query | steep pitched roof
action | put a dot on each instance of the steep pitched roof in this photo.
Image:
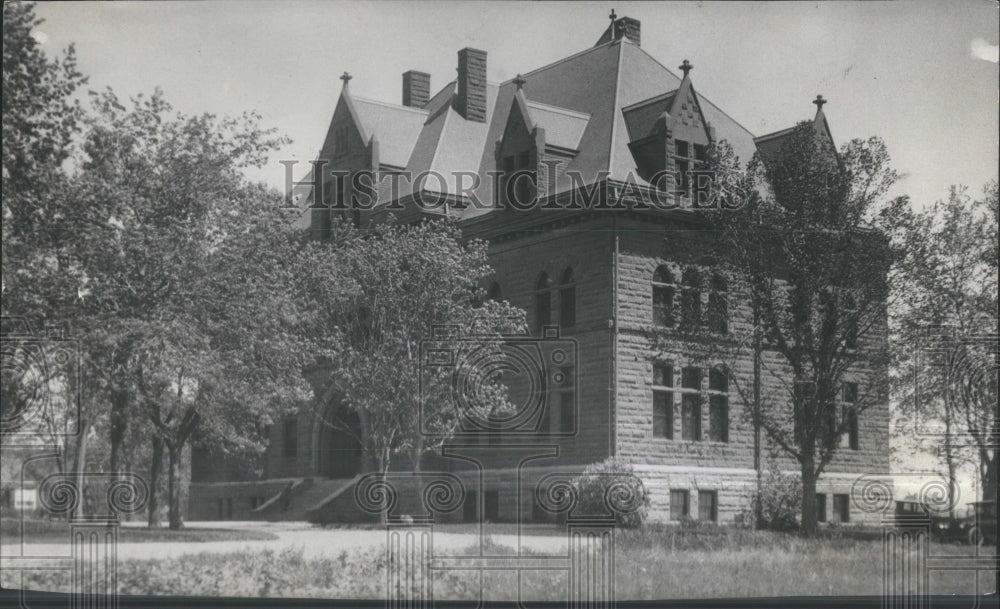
(587, 102)
(563, 128)
(771, 144)
(396, 128)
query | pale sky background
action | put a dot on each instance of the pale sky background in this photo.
(922, 75)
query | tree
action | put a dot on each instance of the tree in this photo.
(403, 281)
(806, 232)
(187, 309)
(947, 304)
(40, 117)
(39, 278)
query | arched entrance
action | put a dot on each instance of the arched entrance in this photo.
(339, 453)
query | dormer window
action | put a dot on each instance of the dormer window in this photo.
(690, 161)
(519, 178)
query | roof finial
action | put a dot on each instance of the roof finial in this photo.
(346, 78)
(819, 101)
(685, 67)
(612, 16)
(519, 81)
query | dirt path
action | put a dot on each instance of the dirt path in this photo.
(314, 542)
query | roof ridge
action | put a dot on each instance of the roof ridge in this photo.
(390, 105)
(651, 100)
(564, 59)
(774, 134)
(615, 111)
(660, 63)
(559, 109)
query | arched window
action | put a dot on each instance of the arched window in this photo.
(543, 302)
(494, 293)
(691, 299)
(663, 297)
(567, 299)
(718, 307)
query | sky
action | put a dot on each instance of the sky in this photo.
(921, 75)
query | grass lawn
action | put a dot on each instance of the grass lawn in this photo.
(649, 564)
(47, 531)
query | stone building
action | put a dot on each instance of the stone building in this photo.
(590, 257)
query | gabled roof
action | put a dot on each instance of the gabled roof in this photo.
(640, 118)
(563, 127)
(395, 128)
(770, 145)
(593, 102)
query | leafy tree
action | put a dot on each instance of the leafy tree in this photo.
(403, 281)
(189, 321)
(39, 278)
(40, 118)
(948, 305)
(806, 232)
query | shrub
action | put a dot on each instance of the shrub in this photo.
(612, 482)
(778, 502)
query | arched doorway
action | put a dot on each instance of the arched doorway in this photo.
(339, 453)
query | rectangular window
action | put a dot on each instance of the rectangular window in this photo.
(663, 401)
(691, 404)
(567, 306)
(708, 506)
(491, 503)
(683, 176)
(691, 378)
(691, 308)
(691, 417)
(718, 406)
(841, 508)
(850, 437)
(680, 505)
(718, 412)
(663, 306)
(821, 507)
(718, 312)
(290, 437)
(663, 414)
(849, 313)
(543, 310)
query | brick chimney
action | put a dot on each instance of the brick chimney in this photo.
(622, 27)
(416, 88)
(471, 99)
(629, 28)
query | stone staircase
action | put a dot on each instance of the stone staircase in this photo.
(339, 506)
(306, 495)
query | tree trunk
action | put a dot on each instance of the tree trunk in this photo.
(173, 486)
(809, 511)
(155, 468)
(949, 456)
(119, 425)
(80, 466)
